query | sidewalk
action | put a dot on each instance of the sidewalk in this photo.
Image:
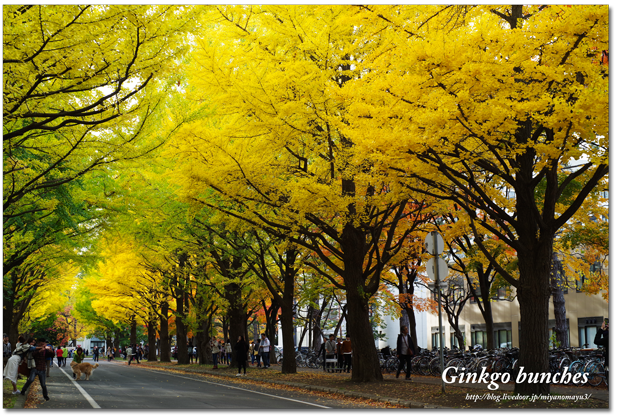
(420, 392)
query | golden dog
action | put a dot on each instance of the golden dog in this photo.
(86, 368)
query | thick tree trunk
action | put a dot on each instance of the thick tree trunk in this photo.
(533, 295)
(365, 360)
(487, 314)
(182, 355)
(288, 342)
(152, 339)
(164, 352)
(238, 325)
(202, 341)
(133, 333)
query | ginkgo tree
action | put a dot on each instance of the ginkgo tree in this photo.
(482, 105)
(271, 154)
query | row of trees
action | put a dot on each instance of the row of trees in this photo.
(312, 148)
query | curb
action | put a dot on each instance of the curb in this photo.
(19, 402)
(398, 402)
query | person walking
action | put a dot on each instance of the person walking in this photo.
(215, 350)
(134, 354)
(330, 353)
(322, 352)
(78, 357)
(36, 364)
(12, 364)
(404, 351)
(241, 352)
(190, 351)
(109, 354)
(602, 339)
(252, 352)
(222, 352)
(58, 357)
(339, 353)
(265, 345)
(6, 350)
(49, 359)
(129, 355)
(65, 354)
(347, 351)
(228, 351)
(257, 353)
(96, 354)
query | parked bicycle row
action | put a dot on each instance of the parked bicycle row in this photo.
(561, 362)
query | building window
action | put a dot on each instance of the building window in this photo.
(479, 337)
(503, 338)
(586, 336)
(587, 331)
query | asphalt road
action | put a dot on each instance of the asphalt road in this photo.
(118, 386)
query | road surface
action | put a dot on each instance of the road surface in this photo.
(118, 386)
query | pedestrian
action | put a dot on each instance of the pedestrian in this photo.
(602, 338)
(265, 345)
(134, 354)
(228, 349)
(190, 351)
(322, 352)
(58, 357)
(6, 350)
(330, 353)
(252, 357)
(65, 354)
(12, 364)
(347, 351)
(96, 354)
(78, 357)
(241, 351)
(404, 351)
(36, 364)
(215, 349)
(110, 354)
(49, 359)
(339, 353)
(257, 353)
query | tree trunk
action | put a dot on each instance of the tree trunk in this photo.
(487, 314)
(303, 334)
(164, 352)
(133, 333)
(289, 365)
(182, 355)
(533, 295)
(152, 339)
(559, 304)
(237, 327)
(365, 360)
(412, 328)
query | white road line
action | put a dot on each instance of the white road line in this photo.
(234, 387)
(82, 391)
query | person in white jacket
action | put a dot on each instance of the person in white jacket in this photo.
(264, 348)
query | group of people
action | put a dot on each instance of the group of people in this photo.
(221, 351)
(336, 352)
(134, 352)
